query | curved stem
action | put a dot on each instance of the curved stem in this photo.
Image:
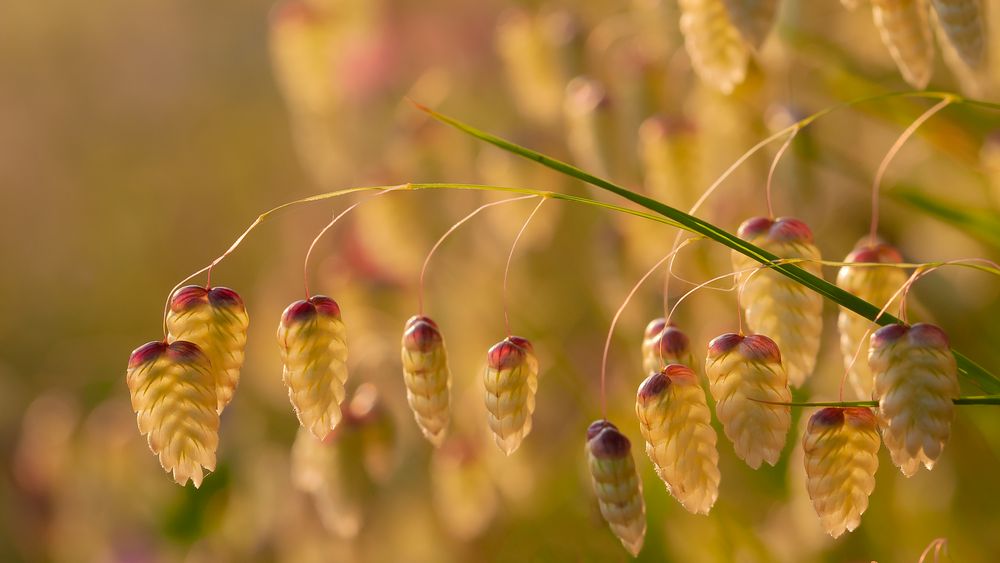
(510, 256)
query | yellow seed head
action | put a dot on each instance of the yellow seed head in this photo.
(753, 18)
(314, 352)
(663, 344)
(963, 24)
(216, 320)
(511, 380)
(427, 377)
(741, 368)
(617, 484)
(718, 53)
(915, 381)
(906, 32)
(841, 457)
(331, 473)
(875, 285)
(465, 496)
(677, 425)
(174, 398)
(776, 305)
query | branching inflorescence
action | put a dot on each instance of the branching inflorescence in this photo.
(181, 384)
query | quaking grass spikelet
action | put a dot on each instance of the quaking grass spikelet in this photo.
(174, 398)
(677, 425)
(718, 53)
(663, 344)
(427, 377)
(216, 320)
(877, 285)
(841, 457)
(330, 471)
(741, 368)
(906, 32)
(314, 353)
(916, 379)
(511, 380)
(617, 484)
(776, 305)
(753, 18)
(963, 25)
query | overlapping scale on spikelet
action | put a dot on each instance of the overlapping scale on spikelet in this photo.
(427, 377)
(216, 320)
(841, 457)
(663, 344)
(617, 484)
(314, 353)
(916, 379)
(877, 285)
(677, 425)
(718, 53)
(173, 396)
(741, 368)
(906, 32)
(776, 305)
(963, 25)
(511, 380)
(753, 18)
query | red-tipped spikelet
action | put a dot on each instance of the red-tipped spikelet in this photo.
(753, 18)
(617, 484)
(915, 381)
(663, 344)
(841, 457)
(677, 425)
(876, 285)
(963, 25)
(173, 396)
(314, 352)
(718, 53)
(741, 368)
(216, 320)
(427, 377)
(511, 379)
(776, 305)
(906, 32)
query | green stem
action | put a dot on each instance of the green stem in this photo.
(972, 371)
(971, 400)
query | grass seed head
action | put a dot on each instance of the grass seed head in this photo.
(739, 369)
(916, 379)
(216, 320)
(174, 397)
(876, 285)
(663, 344)
(841, 457)
(617, 484)
(964, 27)
(753, 18)
(427, 377)
(511, 381)
(718, 52)
(677, 425)
(313, 345)
(776, 305)
(906, 32)
(330, 472)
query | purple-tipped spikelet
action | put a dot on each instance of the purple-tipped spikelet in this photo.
(776, 305)
(617, 484)
(906, 32)
(663, 344)
(314, 353)
(916, 379)
(216, 320)
(753, 18)
(841, 457)
(740, 369)
(174, 398)
(427, 377)
(877, 285)
(962, 23)
(718, 53)
(677, 425)
(511, 380)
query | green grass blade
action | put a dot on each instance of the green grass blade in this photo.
(982, 224)
(972, 371)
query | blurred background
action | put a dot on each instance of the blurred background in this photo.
(137, 140)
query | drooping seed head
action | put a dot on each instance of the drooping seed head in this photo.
(841, 457)
(906, 32)
(754, 347)
(173, 394)
(616, 484)
(780, 230)
(664, 343)
(718, 51)
(511, 381)
(313, 344)
(427, 377)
